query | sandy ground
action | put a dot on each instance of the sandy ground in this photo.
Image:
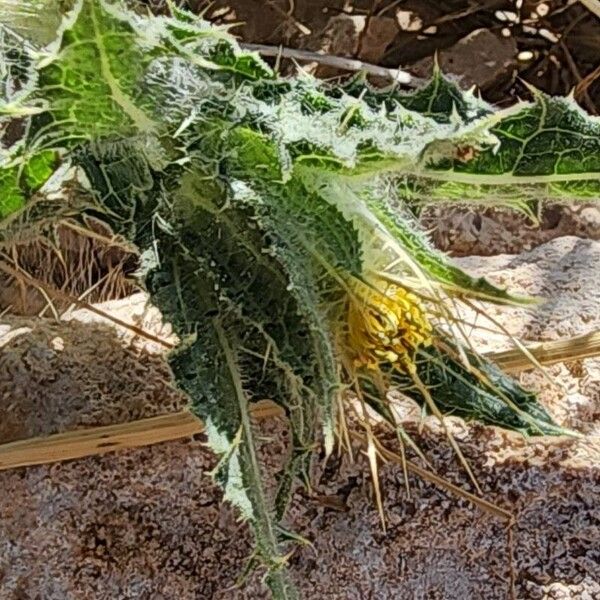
(148, 524)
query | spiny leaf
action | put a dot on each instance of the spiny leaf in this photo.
(484, 393)
(240, 473)
(223, 362)
(551, 138)
(439, 99)
(403, 228)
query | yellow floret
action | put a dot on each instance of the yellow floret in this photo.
(386, 326)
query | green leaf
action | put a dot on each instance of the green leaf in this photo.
(92, 82)
(11, 196)
(440, 99)
(234, 256)
(551, 138)
(482, 393)
(404, 229)
(20, 181)
(548, 150)
(382, 222)
(216, 363)
(243, 65)
(220, 380)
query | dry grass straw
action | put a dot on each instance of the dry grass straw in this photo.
(85, 262)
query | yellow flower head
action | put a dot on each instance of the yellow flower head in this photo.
(386, 326)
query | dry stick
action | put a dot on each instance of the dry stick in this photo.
(574, 69)
(585, 83)
(549, 353)
(110, 438)
(439, 481)
(97, 440)
(339, 62)
(289, 16)
(100, 440)
(166, 428)
(472, 9)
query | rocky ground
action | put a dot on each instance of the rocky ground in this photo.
(149, 523)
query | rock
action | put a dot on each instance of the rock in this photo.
(380, 33)
(496, 60)
(357, 37)
(341, 35)
(564, 273)
(468, 230)
(60, 376)
(590, 216)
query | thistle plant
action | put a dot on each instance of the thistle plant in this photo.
(272, 219)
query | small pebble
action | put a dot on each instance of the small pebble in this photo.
(542, 9)
(549, 35)
(408, 21)
(506, 15)
(525, 56)
(58, 344)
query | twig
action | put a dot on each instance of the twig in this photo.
(582, 90)
(585, 83)
(97, 440)
(549, 353)
(94, 441)
(289, 16)
(145, 432)
(483, 504)
(100, 440)
(339, 62)
(470, 10)
(31, 452)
